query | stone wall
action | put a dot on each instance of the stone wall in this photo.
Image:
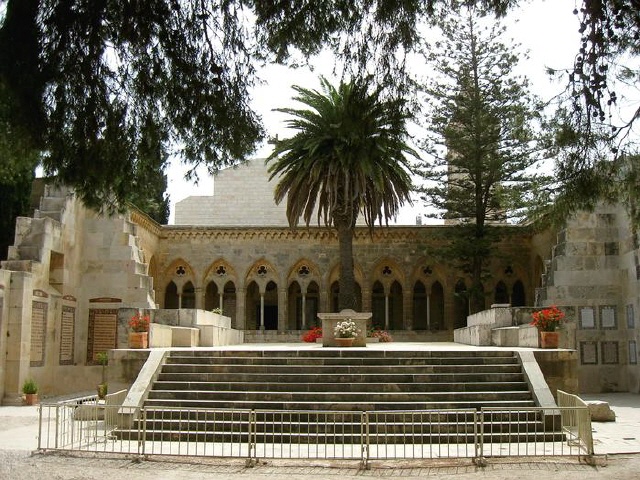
(593, 275)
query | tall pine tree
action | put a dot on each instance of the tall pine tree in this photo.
(483, 145)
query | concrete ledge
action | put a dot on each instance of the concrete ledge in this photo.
(185, 337)
(518, 336)
(140, 389)
(160, 335)
(479, 335)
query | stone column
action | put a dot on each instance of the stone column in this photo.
(386, 308)
(283, 307)
(199, 294)
(241, 319)
(407, 309)
(18, 355)
(304, 311)
(260, 325)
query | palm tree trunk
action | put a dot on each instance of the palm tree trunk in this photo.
(347, 282)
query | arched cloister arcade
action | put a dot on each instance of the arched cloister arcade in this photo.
(264, 297)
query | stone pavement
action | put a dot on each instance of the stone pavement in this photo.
(616, 444)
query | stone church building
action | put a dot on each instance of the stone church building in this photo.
(72, 278)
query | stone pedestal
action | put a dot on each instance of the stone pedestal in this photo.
(330, 320)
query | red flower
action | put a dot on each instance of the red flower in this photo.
(548, 319)
(311, 335)
(139, 323)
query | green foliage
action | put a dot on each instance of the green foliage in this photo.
(29, 387)
(80, 81)
(484, 147)
(347, 157)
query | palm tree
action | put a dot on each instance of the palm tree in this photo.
(347, 158)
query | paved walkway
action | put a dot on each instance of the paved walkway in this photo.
(616, 444)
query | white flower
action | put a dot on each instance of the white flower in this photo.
(346, 329)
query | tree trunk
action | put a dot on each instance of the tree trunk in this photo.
(347, 281)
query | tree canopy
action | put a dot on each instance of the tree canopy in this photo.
(78, 75)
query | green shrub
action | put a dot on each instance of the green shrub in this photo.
(29, 386)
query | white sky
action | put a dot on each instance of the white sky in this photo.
(547, 28)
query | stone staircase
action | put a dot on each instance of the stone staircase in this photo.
(300, 391)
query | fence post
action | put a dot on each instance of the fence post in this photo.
(142, 433)
(479, 459)
(251, 439)
(364, 440)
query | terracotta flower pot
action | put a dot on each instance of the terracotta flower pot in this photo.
(548, 339)
(31, 398)
(138, 339)
(344, 342)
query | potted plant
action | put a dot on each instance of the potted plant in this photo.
(345, 332)
(547, 322)
(30, 390)
(139, 334)
(103, 359)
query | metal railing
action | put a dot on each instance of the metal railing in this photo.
(576, 420)
(88, 425)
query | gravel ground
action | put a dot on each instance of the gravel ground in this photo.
(22, 465)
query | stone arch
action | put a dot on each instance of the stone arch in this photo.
(428, 272)
(180, 272)
(304, 272)
(501, 293)
(220, 271)
(396, 307)
(220, 280)
(377, 304)
(188, 297)
(436, 307)
(262, 272)
(171, 297)
(387, 270)
(303, 306)
(518, 295)
(261, 305)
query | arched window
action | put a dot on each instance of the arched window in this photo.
(188, 296)
(518, 297)
(501, 294)
(436, 307)
(419, 306)
(171, 299)
(461, 305)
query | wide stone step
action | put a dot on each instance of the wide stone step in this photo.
(386, 387)
(313, 361)
(281, 425)
(344, 378)
(334, 405)
(195, 416)
(339, 438)
(319, 369)
(339, 396)
(345, 352)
